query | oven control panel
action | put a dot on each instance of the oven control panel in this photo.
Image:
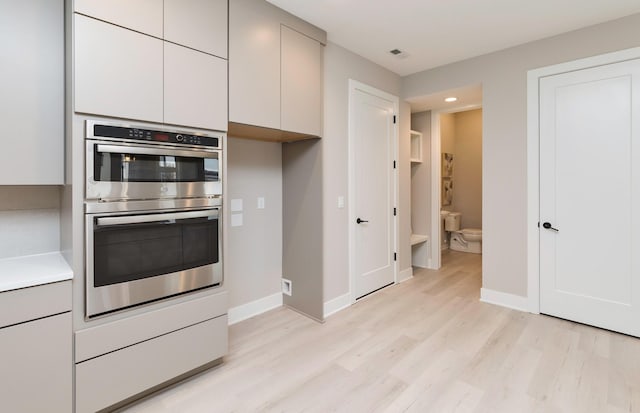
(138, 134)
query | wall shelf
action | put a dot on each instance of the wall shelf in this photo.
(416, 147)
(418, 239)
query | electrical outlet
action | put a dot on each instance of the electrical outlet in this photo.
(341, 201)
(287, 286)
(260, 202)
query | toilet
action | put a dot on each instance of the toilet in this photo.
(465, 240)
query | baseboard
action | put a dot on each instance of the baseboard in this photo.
(253, 308)
(404, 275)
(515, 302)
(339, 303)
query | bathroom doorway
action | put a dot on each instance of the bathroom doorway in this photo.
(460, 213)
(449, 178)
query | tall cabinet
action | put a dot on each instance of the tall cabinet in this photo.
(276, 94)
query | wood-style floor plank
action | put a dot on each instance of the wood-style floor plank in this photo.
(426, 345)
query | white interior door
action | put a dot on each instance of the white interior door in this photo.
(372, 148)
(589, 196)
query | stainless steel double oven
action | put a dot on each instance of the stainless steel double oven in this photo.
(153, 214)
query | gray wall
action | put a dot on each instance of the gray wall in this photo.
(340, 66)
(29, 220)
(302, 230)
(254, 262)
(503, 76)
(467, 175)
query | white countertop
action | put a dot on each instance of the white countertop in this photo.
(32, 270)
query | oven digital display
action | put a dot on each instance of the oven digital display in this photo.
(161, 137)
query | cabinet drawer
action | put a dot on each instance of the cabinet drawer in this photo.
(118, 72)
(31, 303)
(36, 366)
(114, 377)
(106, 338)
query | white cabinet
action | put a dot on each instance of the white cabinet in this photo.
(32, 92)
(301, 88)
(144, 16)
(36, 356)
(118, 72)
(275, 73)
(195, 88)
(198, 24)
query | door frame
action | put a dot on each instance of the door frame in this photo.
(533, 157)
(435, 256)
(354, 86)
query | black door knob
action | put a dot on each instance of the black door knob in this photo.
(547, 225)
(360, 221)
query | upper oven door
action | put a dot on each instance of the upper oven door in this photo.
(124, 171)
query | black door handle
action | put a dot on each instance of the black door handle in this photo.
(360, 221)
(547, 225)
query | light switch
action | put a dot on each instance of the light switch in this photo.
(341, 201)
(236, 220)
(261, 202)
(236, 205)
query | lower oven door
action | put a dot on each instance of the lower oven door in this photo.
(138, 258)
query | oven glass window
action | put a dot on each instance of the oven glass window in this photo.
(135, 251)
(123, 167)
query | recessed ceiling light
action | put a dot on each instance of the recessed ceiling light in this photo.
(451, 99)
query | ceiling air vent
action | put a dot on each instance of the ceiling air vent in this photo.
(399, 53)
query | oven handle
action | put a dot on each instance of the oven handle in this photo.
(155, 151)
(139, 219)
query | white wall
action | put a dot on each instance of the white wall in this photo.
(340, 66)
(503, 76)
(29, 220)
(254, 262)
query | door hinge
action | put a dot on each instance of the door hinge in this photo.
(394, 212)
(394, 118)
(394, 164)
(395, 256)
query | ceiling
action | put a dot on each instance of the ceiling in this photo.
(433, 33)
(467, 98)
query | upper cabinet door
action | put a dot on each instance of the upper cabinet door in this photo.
(254, 63)
(118, 72)
(195, 87)
(198, 24)
(301, 83)
(32, 90)
(144, 16)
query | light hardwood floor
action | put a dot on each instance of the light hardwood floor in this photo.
(426, 345)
